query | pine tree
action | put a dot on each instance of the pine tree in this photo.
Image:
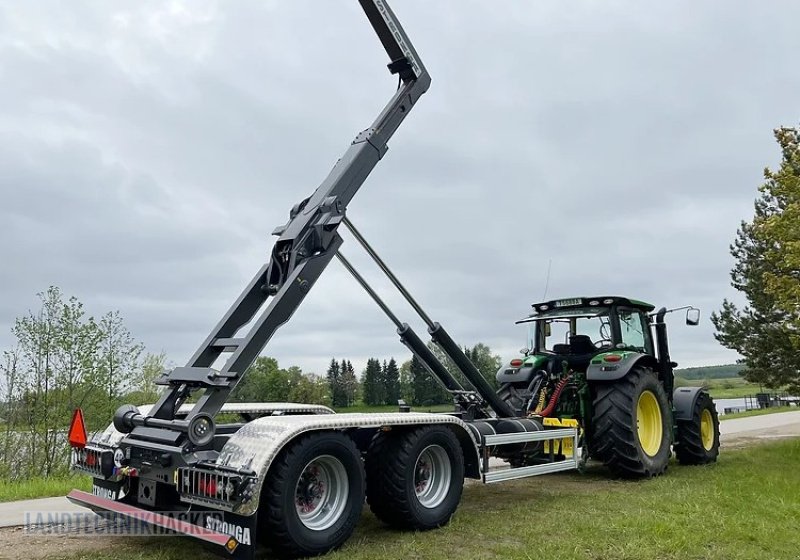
(766, 332)
(372, 390)
(338, 398)
(391, 381)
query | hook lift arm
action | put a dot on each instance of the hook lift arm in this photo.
(305, 246)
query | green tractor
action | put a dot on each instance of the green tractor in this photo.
(603, 364)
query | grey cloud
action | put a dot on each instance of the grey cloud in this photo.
(147, 151)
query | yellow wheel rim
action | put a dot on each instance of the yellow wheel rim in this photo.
(648, 423)
(707, 429)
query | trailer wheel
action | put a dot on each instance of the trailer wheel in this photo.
(313, 496)
(631, 425)
(415, 478)
(698, 439)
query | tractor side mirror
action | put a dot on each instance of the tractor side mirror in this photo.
(547, 330)
(693, 316)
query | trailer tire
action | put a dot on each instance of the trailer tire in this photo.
(697, 441)
(313, 496)
(631, 424)
(415, 477)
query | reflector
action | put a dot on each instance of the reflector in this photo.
(77, 430)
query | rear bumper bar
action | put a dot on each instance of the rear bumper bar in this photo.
(98, 504)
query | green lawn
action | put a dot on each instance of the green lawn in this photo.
(744, 507)
(11, 491)
(730, 388)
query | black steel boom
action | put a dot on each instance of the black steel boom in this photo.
(305, 246)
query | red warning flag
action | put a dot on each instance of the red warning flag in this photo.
(77, 430)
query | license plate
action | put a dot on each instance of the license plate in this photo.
(107, 490)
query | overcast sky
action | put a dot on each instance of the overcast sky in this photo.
(148, 149)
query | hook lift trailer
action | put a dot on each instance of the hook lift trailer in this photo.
(294, 477)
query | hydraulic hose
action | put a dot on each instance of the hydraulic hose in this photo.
(551, 406)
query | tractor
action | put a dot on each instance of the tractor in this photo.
(602, 364)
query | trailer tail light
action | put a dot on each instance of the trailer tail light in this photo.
(93, 460)
(516, 362)
(203, 486)
(77, 430)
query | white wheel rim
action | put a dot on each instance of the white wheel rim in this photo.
(432, 475)
(320, 495)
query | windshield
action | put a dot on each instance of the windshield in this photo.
(557, 331)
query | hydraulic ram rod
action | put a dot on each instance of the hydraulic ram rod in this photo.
(439, 334)
(407, 335)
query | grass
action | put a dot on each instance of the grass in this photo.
(759, 412)
(743, 507)
(732, 388)
(11, 490)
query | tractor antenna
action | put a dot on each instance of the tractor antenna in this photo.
(547, 279)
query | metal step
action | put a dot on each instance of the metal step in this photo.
(569, 464)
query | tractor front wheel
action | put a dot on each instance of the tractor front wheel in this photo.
(697, 441)
(631, 425)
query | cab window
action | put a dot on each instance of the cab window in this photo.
(633, 330)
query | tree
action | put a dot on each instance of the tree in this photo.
(766, 330)
(486, 362)
(372, 383)
(308, 388)
(782, 278)
(260, 383)
(391, 382)
(62, 359)
(349, 383)
(119, 355)
(145, 390)
(427, 391)
(338, 393)
(406, 382)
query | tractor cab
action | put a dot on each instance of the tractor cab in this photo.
(577, 329)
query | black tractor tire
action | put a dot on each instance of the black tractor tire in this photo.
(397, 465)
(615, 438)
(299, 470)
(697, 440)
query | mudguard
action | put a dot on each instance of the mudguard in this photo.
(259, 442)
(683, 401)
(601, 368)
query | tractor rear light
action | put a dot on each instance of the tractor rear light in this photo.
(516, 362)
(612, 358)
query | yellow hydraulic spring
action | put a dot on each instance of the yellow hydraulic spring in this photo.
(542, 401)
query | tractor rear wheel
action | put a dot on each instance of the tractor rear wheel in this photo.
(697, 441)
(631, 425)
(415, 477)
